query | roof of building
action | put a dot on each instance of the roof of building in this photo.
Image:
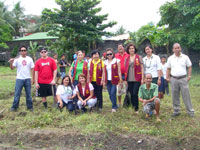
(118, 37)
(36, 36)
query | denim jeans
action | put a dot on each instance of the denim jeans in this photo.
(20, 83)
(62, 74)
(112, 90)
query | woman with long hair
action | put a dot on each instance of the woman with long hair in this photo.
(65, 94)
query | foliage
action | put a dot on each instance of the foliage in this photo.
(14, 52)
(33, 49)
(183, 20)
(121, 30)
(78, 24)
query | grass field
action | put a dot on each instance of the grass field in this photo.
(179, 131)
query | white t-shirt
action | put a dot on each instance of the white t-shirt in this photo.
(64, 92)
(178, 65)
(23, 65)
(83, 89)
(152, 65)
(164, 70)
(108, 67)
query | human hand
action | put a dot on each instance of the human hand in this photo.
(53, 82)
(159, 82)
(37, 86)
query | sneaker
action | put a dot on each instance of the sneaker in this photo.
(13, 109)
(191, 115)
(158, 119)
(175, 114)
(113, 110)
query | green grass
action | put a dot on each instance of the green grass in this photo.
(124, 121)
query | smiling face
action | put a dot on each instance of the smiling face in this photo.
(109, 54)
(148, 79)
(120, 48)
(95, 56)
(82, 80)
(148, 51)
(80, 56)
(66, 81)
(131, 50)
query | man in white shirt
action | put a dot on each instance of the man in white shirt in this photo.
(24, 65)
(179, 70)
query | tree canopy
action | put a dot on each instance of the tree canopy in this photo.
(78, 23)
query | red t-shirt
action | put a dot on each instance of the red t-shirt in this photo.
(122, 59)
(45, 68)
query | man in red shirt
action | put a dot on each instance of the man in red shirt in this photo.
(121, 55)
(45, 74)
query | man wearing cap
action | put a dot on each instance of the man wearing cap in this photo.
(24, 65)
(45, 75)
(179, 70)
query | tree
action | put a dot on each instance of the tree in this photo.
(121, 30)
(33, 49)
(183, 20)
(78, 24)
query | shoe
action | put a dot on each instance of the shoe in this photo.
(90, 109)
(30, 109)
(147, 116)
(191, 115)
(158, 119)
(137, 112)
(175, 114)
(113, 110)
(13, 109)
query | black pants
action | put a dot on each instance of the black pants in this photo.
(166, 87)
(98, 93)
(133, 88)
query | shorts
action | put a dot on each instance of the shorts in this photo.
(149, 107)
(121, 89)
(46, 90)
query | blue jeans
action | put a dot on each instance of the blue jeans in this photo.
(62, 74)
(20, 83)
(112, 90)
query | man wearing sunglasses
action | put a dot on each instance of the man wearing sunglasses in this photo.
(24, 65)
(45, 74)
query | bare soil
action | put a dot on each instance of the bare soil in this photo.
(52, 139)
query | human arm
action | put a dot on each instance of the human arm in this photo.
(33, 75)
(36, 80)
(189, 73)
(119, 72)
(142, 71)
(54, 77)
(11, 63)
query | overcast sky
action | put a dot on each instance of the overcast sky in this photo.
(131, 14)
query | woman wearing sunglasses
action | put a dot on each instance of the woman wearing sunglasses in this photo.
(112, 76)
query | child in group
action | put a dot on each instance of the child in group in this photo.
(65, 94)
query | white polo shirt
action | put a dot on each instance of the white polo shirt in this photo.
(152, 65)
(24, 66)
(164, 69)
(178, 65)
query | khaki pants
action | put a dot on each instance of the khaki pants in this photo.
(177, 86)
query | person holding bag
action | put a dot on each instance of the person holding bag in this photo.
(112, 76)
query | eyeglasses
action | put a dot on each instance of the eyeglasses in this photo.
(109, 54)
(23, 50)
(43, 51)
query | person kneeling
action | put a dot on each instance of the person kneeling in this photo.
(65, 94)
(85, 93)
(148, 94)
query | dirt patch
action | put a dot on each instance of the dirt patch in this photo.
(52, 139)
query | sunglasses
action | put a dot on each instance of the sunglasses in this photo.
(109, 54)
(23, 50)
(43, 51)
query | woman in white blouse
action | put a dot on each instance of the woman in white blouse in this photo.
(152, 65)
(112, 76)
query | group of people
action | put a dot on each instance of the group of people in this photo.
(126, 71)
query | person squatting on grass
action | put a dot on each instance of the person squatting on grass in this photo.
(24, 65)
(148, 95)
(45, 75)
(78, 66)
(85, 93)
(65, 94)
(121, 55)
(96, 77)
(112, 76)
(177, 74)
(134, 74)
